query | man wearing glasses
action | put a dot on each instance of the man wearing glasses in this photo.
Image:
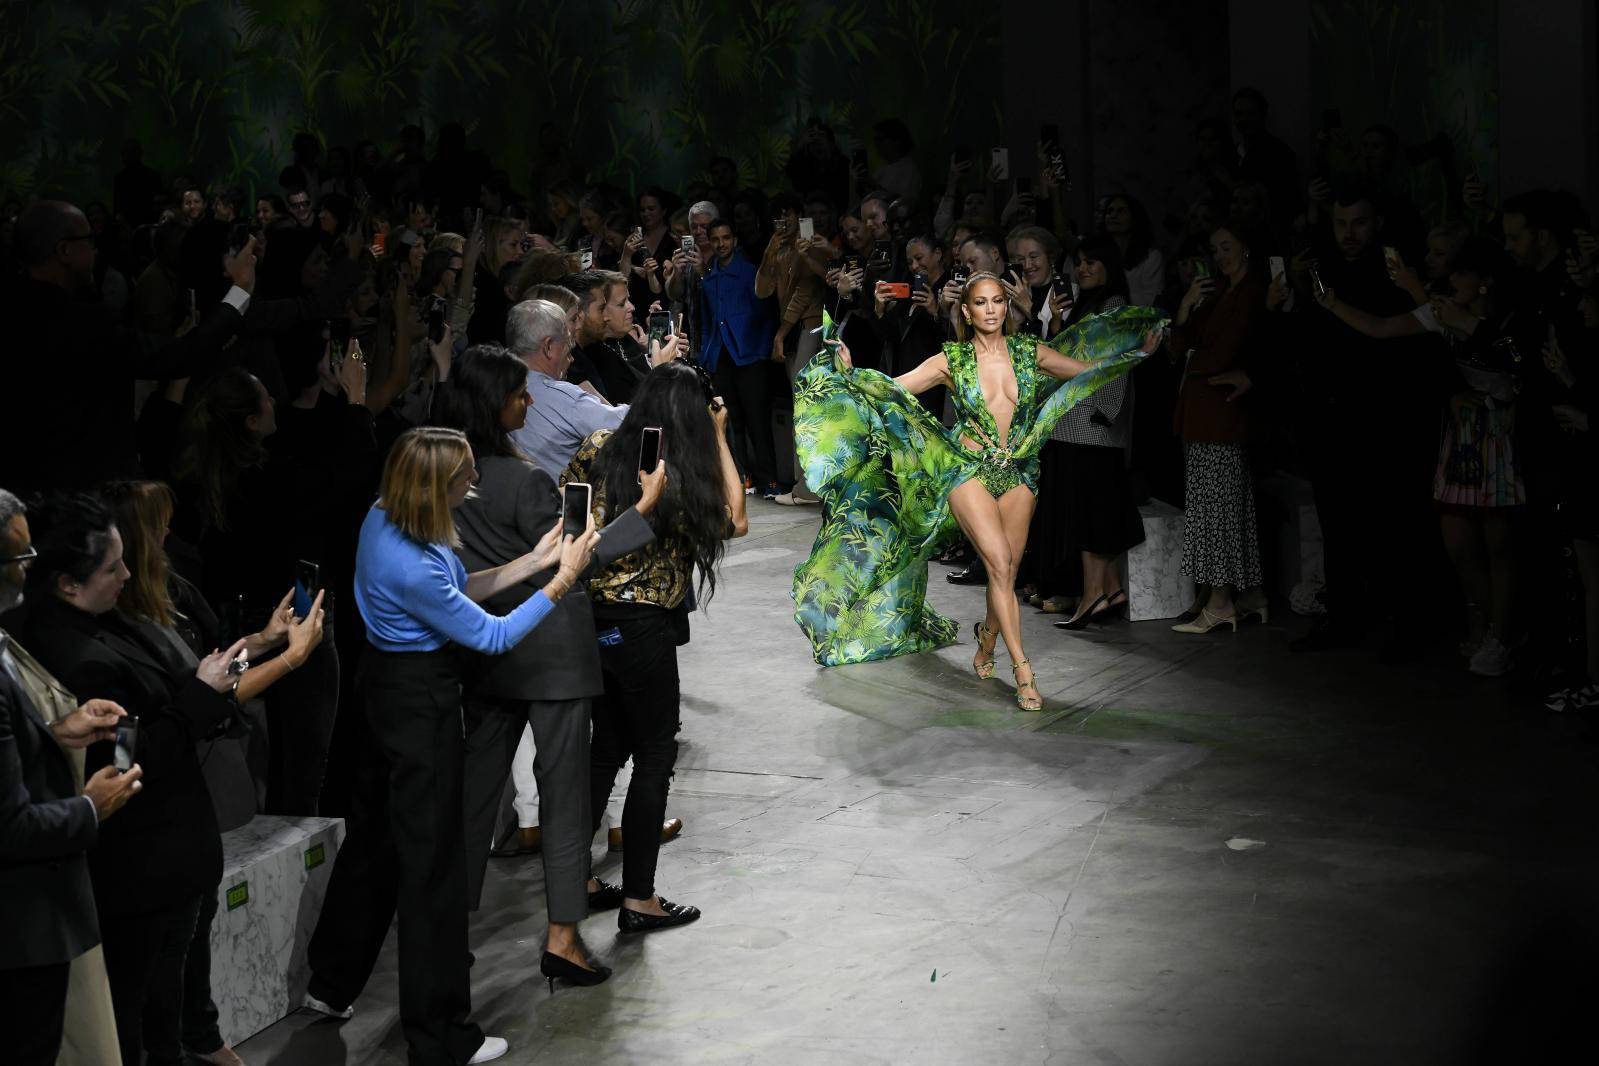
(66, 407)
(47, 825)
(300, 208)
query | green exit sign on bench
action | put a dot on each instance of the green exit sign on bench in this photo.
(238, 895)
(315, 856)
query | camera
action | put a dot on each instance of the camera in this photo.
(436, 309)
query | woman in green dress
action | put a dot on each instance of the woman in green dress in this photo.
(898, 485)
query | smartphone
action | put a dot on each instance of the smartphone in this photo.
(527, 243)
(852, 263)
(1278, 267)
(436, 308)
(585, 259)
(1390, 257)
(918, 282)
(574, 508)
(126, 751)
(687, 244)
(638, 231)
(897, 290)
(1201, 268)
(649, 450)
(857, 159)
(807, 229)
(999, 164)
(338, 341)
(307, 579)
(882, 254)
(380, 242)
(1315, 279)
(1049, 137)
(959, 275)
(660, 328)
(477, 221)
(238, 236)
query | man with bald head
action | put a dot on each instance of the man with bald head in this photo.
(66, 409)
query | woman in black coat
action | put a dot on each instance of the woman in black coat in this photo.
(154, 863)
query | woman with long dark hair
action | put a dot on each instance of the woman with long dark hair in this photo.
(544, 686)
(641, 605)
(1127, 223)
(151, 865)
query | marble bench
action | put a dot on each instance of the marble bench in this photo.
(1156, 587)
(274, 874)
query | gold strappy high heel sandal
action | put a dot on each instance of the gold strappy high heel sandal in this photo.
(1035, 702)
(984, 635)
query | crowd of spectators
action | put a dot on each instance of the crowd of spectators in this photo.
(210, 386)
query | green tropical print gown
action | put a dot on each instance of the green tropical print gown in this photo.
(884, 468)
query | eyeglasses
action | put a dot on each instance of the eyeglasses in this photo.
(24, 559)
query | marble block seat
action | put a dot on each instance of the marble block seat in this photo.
(274, 874)
(1156, 587)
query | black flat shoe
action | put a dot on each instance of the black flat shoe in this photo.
(555, 968)
(676, 914)
(607, 897)
(1082, 621)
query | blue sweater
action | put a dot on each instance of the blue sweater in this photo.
(412, 596)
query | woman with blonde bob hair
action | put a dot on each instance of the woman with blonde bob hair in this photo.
(897, 484)
(404, 848)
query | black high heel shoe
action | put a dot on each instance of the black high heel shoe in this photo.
(1083, 620)
(555, 968)
(1113, 612)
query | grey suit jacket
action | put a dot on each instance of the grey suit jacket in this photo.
(515, 504)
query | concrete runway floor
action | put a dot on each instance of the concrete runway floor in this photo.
(1204, 850)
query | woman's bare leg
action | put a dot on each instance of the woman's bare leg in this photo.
(979, 516)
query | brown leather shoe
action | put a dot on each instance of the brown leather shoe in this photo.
(519, 842)
(669, 831)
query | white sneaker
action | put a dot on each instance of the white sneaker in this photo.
(1492, 658)
(493, 1047)
(312, 1003)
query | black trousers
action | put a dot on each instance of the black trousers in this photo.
(404, 851)
(747, 392)
(144, 956)
(301, 709)
(637, 717)
(199, 1030)
(561, 767)
(33, 1007)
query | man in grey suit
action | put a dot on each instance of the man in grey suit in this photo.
(545, 683)
(46, 826)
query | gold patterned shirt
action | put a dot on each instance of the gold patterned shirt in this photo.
(657, 575)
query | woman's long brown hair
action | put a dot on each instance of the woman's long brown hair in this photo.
(143, 509)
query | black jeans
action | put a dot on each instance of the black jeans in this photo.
(301, 709)
(404, 851)
(199, 1031)
(638, 717)
(747, 392)
(144, 956)
(33, 1007)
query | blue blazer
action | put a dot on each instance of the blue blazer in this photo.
(733, 319)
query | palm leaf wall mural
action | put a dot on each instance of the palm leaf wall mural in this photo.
(640, 91)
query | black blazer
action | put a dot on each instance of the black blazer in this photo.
(45, 829)
(515, 504)
(164, 844)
